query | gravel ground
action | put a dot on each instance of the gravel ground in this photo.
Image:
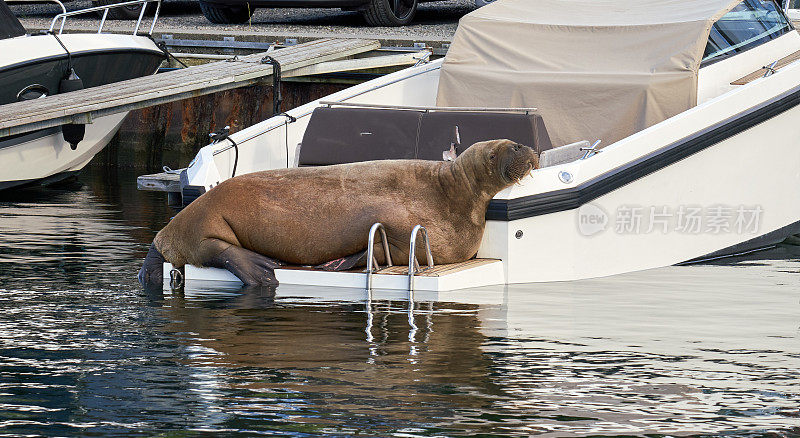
(435, 22)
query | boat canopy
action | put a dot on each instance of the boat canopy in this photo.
(9, 25)
(595, 69)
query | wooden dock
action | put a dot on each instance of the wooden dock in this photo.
(85, 105)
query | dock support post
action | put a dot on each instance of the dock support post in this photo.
(277, 99)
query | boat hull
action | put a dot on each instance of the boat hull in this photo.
(721, 189)
(560, 246)
(95, 67)
(38, 157)
(735, 155)
(39, 63)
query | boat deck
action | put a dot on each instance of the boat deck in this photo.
(783, 62)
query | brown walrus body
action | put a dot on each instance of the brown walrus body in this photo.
(312, 215)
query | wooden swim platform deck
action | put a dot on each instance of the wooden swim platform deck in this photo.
(160, 182)
(469, 274)
(85, 105)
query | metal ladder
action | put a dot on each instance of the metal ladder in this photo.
(372, 263)
(413, 263)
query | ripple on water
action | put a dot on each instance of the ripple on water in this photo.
(84, 351)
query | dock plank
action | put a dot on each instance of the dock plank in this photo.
(84, 105)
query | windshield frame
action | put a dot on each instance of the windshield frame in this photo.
(733, 50)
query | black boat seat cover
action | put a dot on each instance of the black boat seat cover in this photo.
(346, 135)
(436, 130)
(340, 135)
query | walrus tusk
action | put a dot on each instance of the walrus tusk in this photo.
(529, 172)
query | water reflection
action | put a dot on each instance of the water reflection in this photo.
(84, 351)
(308, 367)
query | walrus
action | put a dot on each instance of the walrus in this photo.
(253, 223)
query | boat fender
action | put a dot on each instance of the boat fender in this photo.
(189, 192)
(73, 132)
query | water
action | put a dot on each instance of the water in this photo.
(704, 350)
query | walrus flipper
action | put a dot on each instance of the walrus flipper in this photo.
(345, 263)
(250, 267)
(152, 272)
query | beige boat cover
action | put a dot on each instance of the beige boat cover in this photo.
(595, 69)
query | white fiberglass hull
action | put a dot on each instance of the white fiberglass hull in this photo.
(39, 62)
(43, 155)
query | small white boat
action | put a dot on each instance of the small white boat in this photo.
(35, 66)
(695, 101)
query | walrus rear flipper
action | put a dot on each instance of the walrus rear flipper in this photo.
(152, 272)
(250, 267)
(345, 263)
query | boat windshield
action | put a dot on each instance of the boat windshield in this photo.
(750, 23)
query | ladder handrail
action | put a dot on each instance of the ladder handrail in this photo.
(63, 16)
(413, 264)
(372, 263)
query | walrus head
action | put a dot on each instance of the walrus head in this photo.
(500, 162)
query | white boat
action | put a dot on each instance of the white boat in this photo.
(695, 101)
(35, 66)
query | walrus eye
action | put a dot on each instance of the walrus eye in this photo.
(491, 157)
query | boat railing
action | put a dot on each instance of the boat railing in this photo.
(105, 8)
